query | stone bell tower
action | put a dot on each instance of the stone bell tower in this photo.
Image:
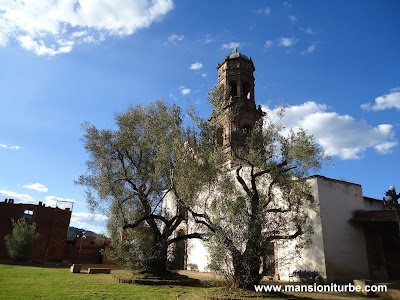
(236, 72)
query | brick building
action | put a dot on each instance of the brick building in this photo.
(93, 251)
(52, 224)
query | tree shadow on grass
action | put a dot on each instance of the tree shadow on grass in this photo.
(211, 289)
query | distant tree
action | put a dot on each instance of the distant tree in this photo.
(263, 197)
(22, 239)
(130, 172)
(73, 231)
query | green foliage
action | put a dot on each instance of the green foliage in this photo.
(21, 241)
(218, 97)
(133, 249)
(132, 169)
(262, 196)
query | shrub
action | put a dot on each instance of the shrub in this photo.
(21, 241)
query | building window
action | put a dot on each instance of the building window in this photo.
(233, 86)
(246, 128)
(28, 214)
(246, 91)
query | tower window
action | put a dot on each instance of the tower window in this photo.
(246, 91)
(233, 86)
(246, 128)
(220, 140)
(219, 135)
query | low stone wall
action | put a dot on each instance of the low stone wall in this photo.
(99, 270)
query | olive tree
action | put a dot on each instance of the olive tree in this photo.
(131, 170)
(22, 239)
(259, 198)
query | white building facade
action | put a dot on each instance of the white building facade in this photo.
(345, 245)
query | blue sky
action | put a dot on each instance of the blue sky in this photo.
(335, 65)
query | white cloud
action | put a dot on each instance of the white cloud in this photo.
(82, 216)
(62, 42)
(264, 11)
(208, 39)
(282, 42)
(196, 66)
(184, 91)
(366, 106)
(286, 42)
(18, 198)
(79, 33)
(388, 101)
(287, 4)
(37, 25)
(339, 135)
(10, 147)
(310, 49)
(268, 44)
(204, 75)
(230, 46)
(292, 18)
(309, 31)
(39, 48)
(396, 89)
(385, 147)
(89, 221)
(36, 187)
(174, 38)
(52, 201)
(91, 39)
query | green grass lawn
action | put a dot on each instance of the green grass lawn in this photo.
(45, 282)
(50, 282)
(23, 282)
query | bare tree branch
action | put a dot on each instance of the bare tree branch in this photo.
(242, 182)
(185, 237)
(145, 218)
(277, 210)
(285, 237)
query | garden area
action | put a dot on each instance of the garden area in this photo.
(57, 282)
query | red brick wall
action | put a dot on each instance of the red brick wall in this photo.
(90, 253)
(51, 223)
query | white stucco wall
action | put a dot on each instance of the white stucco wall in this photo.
(344, 242)
(311, 258)
(338, 249)
(373, 204)
(198, 254)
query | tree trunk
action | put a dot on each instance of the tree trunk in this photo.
(246, 270)
(247, 267)
(157, 264)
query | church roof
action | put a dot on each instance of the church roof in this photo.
(233, 56)
(236, 55)
(375, 216)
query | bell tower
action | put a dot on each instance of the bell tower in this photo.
(239, 111)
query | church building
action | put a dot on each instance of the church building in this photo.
(354, 236)
(236, 73)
